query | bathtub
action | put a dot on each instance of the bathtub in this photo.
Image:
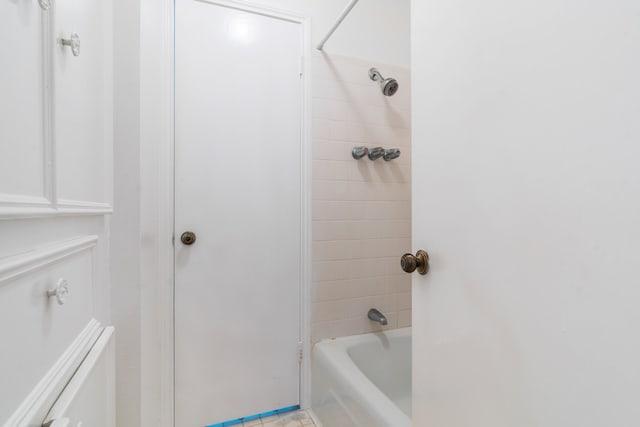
(363, 380)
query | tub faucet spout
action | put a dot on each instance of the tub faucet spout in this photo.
(375, 315)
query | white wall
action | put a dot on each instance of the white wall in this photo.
(137, 291)
(125, 225)
(526, 156)
(375, 29)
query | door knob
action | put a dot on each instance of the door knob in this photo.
(188, 238)
(420, 262)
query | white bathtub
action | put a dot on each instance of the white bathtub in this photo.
(363, 380)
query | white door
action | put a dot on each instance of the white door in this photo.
(527, 198)
(238, 188)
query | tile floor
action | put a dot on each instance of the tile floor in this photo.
(289, 419)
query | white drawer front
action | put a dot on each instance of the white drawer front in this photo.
(37, 330)
(88, 400)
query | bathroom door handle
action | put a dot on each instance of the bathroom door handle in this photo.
(188, 238)
(411, 263)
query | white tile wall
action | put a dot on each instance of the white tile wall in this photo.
(361, 209)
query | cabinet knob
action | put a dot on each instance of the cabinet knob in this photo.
(73, 42)
(411, 263)
(60, 291)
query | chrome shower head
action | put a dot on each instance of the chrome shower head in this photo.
(388, 86)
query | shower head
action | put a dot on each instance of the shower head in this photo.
(388, 86)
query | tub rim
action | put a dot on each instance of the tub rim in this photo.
(335, 351)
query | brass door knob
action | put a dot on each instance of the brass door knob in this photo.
(188, 238)
(420, 262)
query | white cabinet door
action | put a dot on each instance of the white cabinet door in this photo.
(56, 118)
(88, 398)
(22, 92)
(526, 187)
(37, 330)
(55, 159)
(238, 188)
(83, 120)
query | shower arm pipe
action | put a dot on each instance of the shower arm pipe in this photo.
(343, 15)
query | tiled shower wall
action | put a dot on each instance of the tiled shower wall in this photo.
(361, 208)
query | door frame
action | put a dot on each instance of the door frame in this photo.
(157, 145)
